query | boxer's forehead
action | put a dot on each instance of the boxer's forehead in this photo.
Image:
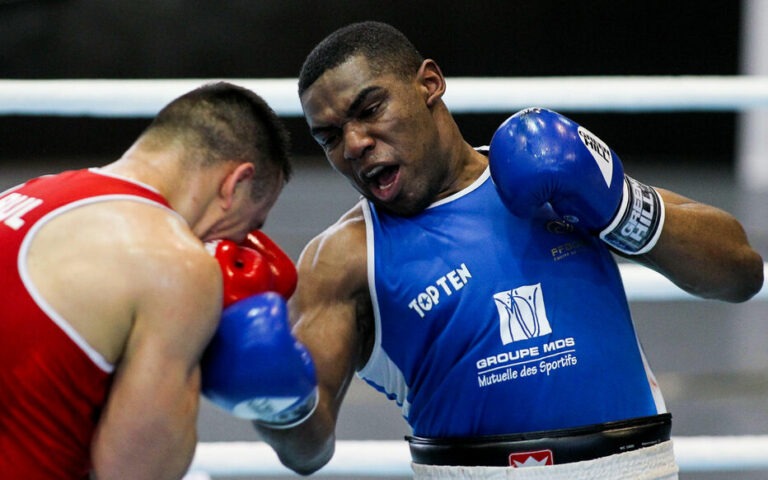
(341, 90)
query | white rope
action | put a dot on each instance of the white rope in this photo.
(721, 453)
(625, 94)
(643, 284)
(371, 458)
(143, 98)
(124, 98)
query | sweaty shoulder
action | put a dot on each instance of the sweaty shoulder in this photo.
(106, 266)
(335, 260)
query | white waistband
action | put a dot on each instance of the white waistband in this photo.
(651, 463)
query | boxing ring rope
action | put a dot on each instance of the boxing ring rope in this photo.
(143, 98)
(643, 284)
(374, 458)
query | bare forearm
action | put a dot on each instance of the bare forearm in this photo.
(149, 428)
(160, 451)
(705, 251)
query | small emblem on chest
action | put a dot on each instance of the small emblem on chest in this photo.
(522, 314)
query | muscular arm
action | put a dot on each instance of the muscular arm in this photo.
(705, 251)
(538, 156)
(329, 307)
(148, 428)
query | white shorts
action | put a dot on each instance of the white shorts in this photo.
(651, 463)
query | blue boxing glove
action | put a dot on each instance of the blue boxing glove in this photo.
(254, 368)
(540, 157)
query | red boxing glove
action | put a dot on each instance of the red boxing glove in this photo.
(284, 274)
(256, 266)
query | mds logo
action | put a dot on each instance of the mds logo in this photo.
(521, 313)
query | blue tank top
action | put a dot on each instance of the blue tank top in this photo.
(487, 323)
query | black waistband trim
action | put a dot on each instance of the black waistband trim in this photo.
(544, 447)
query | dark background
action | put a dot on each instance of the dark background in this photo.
(46, 39)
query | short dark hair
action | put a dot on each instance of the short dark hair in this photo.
(221, 121)
(385, 47)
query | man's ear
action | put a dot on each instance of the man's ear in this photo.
(237, 182)
(432, 80)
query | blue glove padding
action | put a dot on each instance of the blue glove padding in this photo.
(254, 367)
(537, 156)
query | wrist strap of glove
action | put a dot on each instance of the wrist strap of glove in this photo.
(637, 225)
(287, 418)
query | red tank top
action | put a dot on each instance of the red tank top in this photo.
(53, 385)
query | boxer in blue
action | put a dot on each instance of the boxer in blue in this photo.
(477, 287)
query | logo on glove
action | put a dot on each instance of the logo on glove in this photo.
(600, 152)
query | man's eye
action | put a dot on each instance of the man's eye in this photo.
(367, 112)
(327, 141)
